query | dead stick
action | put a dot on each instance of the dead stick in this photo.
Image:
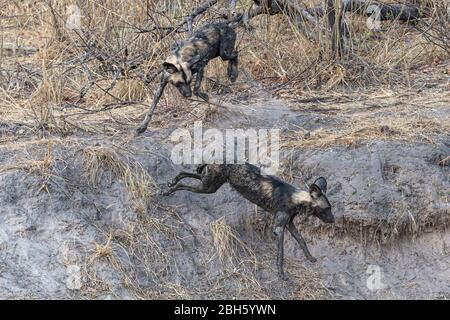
(198, 11)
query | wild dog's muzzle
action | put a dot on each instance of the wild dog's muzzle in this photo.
(185, 90)
(326, 216)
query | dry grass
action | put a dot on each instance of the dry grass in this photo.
(141, 246)
(146, 246)
(375, 57)
(64, 91)
(363, 130)
(309, 286)
(358, 125)
(228, 244)
(42, 167)
(47, 83)
(137, 181)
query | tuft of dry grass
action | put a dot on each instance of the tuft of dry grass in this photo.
(128, 90)
(139, 184)
(42, 167)
(227, 243)
(143, 246)
(103, 250)
(309, 286)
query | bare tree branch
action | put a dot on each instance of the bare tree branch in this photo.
(186, 21)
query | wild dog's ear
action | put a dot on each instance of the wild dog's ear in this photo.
(321, 182)
(314, 191)
(170, 67)
(194, 60)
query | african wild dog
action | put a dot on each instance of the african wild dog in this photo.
(190, 58)
(270, 193)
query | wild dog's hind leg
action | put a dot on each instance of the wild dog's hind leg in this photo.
(281, 219)
(209, 183)
(180, 186)
(297, 236)
(232, 70)
(183, 175)
(198, 83)
(227, 53)
(204, 188)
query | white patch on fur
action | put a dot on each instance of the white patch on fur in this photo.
(181, 66)
(267, 188)
(172, 59)
(301, 197)
(187, 71)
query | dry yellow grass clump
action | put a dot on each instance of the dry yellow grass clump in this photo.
(227, 243)
(140, 185)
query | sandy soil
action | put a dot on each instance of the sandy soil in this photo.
(74, 224)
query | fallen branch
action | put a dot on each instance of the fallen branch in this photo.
(392, 11)
(287, 7)
(377, 10)
(186, 22)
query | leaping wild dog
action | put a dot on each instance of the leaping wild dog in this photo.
(190, 58)
(270, 193)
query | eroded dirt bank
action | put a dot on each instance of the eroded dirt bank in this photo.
(81, 216)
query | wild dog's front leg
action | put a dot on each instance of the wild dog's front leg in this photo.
(180, 186)
(183, 175)
(227, 53)
(198, 83)
(148, 116)
(232, 70)
(297, 236)
(280, 222)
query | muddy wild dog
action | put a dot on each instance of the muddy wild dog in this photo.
(270, 193)
(190, 58)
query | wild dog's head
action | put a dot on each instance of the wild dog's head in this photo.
(320, 206)
(179, 73)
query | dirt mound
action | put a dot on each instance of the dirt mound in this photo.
(87, 210)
